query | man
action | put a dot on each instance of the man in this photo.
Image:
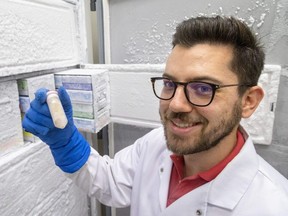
(201, 162)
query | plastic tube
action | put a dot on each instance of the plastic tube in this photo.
(56, 109)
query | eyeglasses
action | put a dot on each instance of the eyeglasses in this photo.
(197, 93)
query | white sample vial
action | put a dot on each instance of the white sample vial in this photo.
(56, 109)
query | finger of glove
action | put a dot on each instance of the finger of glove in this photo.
(39, 107)
(41, 95)
(33, 128)
(39, 118)
(65, 100)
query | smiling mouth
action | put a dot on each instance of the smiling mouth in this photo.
(184, 124)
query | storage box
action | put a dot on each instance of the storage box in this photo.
(89, 91)
(93, 125)
(27, 88)
(74, 82)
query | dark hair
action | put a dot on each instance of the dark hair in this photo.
(248, 59)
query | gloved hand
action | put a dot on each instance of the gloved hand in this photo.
(69, 149)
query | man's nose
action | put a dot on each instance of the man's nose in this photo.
(179, 102)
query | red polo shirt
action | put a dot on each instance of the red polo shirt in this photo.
(179, 186)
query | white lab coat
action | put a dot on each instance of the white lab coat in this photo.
(139, 176)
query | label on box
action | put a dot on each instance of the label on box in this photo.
(78, 96)
(78, 86)
(83, 110)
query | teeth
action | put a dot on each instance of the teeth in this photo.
(184, 125)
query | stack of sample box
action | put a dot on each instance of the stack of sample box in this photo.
(27, 88)
(90, 96)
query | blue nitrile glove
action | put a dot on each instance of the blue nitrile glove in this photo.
(69, 149)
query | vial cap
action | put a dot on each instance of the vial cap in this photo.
(51, 92)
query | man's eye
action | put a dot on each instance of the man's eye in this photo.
(204, 88)
(201, 88)
(168, 84)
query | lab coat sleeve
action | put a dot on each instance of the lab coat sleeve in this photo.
(110, 180)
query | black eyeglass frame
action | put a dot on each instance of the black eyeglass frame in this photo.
(213, 86)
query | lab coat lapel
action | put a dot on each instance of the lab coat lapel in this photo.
(230, 185)
(164, 175)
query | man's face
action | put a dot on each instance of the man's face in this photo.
(190, 129)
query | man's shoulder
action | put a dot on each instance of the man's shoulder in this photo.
(272, 176)
(267, 193)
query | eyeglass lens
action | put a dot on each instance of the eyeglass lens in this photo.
(197, 93)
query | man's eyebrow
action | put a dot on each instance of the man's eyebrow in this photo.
(199, 78)
(168, 76)
(208, 79)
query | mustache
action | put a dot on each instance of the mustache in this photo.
(185, 117)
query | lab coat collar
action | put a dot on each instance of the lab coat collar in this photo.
(230, 185)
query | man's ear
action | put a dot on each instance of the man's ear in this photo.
(250, 100)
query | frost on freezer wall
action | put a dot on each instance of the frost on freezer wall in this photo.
(10, 119)
(260, 125)
(32, 185)
(147, 38)
(278, 41)
(37, 35)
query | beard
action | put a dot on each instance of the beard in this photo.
(220, 128)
